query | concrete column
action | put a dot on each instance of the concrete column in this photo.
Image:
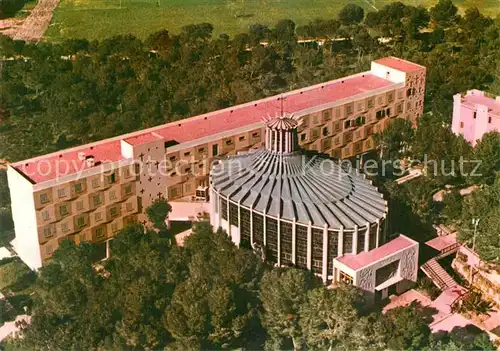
(287, 142)
(228, 218)
(355, 241)
(108, 252)
(324, 274)
(219, 215)
(294, 239)
(340, 244)
(264, 236)
(251, 226)
(367, 237)
(309, 245)
(278, 241)
(275, 132)
(239, 221)
(378, 234)
(280, 141)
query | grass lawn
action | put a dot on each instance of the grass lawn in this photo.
(95, 19)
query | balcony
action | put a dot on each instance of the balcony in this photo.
(130, 206)
(43, 198)
(46, 232)
(46, 215)
(347, 151)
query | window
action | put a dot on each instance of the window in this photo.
(80, 222)
(78, 188)
(489, 119)
(360, 107)
(400, 94)
(126, 172)
(380, 114)
(370, 103)
(215, 150)
(98, 216)
(303, 136)
(360, 120)
(399, 108)
(128, 189)
(172, 158)
(201, 150)
(327, 115)
(325, 131)
(336, 141)
(47, 232)
(315, 119)
(129, 206)
(348, 110)
(461, 124)
(256, 135)
(345, 278)
(380, 100)
(229, 142)
(408, 106)
(390, 97)
(475, 114)
(64, 227)
(63, 210)
(79, 205)
(347, 124)
(388, 112)
(408, 93)
(61, 193)
(112, 179)
(99, 233)
(112, 195)
(44, 198)
(241, 138)
(114, 227)
(95, 183)
(97, 200)
(337, 113)
(113, 211)
(337, 127)
(45, 215)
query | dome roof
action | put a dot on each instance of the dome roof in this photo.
(301, 186)
(282, 123)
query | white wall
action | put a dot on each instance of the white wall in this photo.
(23, 211)
(394, 75)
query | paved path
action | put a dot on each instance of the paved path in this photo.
(36, 23)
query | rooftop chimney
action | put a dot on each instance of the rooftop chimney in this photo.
(90, 161)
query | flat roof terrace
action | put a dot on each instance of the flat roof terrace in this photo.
(66, 162)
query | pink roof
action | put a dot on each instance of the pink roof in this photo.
(442, 242)
(366, 258)
(477, 97)
(47, 167)
(142, 139)
(399, 64)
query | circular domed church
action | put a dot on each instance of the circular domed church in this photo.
(300, 208)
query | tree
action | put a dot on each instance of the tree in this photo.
(8, 8)
(394, 141)
(444, 13)
(409, 330)
(483, 204)
(217, 304)
(351, 14)
(329, 316)
(283, 292)
(452, 206)
(158, 212)
(487, 152)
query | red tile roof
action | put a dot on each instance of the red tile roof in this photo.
(399, 64)
(367, 258)
(49, 167)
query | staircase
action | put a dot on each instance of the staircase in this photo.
(438, 275)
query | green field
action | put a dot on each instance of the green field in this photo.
(95, 19)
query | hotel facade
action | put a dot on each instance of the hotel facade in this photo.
(89, 193)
